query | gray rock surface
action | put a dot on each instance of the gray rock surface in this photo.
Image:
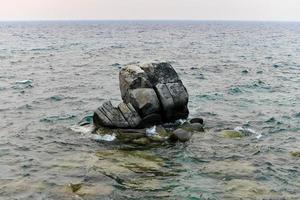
(132, 77)
(130, 114)
(144, 100)
(152, 94)
(107, 115)
(160, 73)
(182, 135)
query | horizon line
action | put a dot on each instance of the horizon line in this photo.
(116, 20)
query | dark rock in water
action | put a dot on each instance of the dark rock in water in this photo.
(295, 153)
(152, 94)
(178, 93)
(194, 127)
(107, 115)
(197, 120)
(151, 120)
(181, 135)
(160, 73)
(130, 114)
(166, 101)
(144, 100)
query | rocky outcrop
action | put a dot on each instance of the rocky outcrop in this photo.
(152, 94)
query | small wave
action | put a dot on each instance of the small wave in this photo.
(57, 118)
(82, 129)
(297, 115)
(24, 82)
(234, 90)
(248, 132)
(56, 98)
(106, 137)
(151, 131)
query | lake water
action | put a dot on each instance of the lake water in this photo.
(238, 74)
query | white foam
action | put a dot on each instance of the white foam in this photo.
(151, 131)
(106, 137)
(82, 129)
(248, 131)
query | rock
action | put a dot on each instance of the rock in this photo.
(144, 100)
(142, 141)
(295, 153)
(132, 77)
(197, 120)
(151, 120)
(99, 119)
(194, 127)
(152, 94)
(130, 114)
(166, 101)
(232, 134)
(109, 116)
(181, 135)
(179, 94)
(160, 73)
(75, 187)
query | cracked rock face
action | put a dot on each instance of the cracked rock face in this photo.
(152, 94)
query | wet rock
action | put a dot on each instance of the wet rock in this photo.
(197, 120)
(130, 114)
(151, 120)
(194, 127)
(181, 135)
(160, 73)
(152, 94)
(75, 187)
(295, 154)
(142, 141)
(109, 116)
(166, 101)
(232, 134)
(144, 100)
(132, 77)
(178, 93)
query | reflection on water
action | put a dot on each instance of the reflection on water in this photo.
(243, 79)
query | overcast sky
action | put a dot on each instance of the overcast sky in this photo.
(288, 10)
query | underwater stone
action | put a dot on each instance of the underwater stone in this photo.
(232, 134)
(194, 127)
(181, 135)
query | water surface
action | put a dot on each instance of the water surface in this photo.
(238, 74)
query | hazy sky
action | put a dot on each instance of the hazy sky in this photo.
(150, 9)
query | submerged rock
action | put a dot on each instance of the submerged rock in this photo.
(181, 135)
(232, 134)
(295, 153)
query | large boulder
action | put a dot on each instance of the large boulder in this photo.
(130, 114)
(152, 94)
(109, 116)
(144, 100)
(160, 73)
(132, 77)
